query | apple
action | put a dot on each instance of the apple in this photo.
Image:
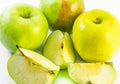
(59, 49)
(96, 35)
(29, 67)
(63, 78)
(92, 73)
(23, 25)
(61, 13)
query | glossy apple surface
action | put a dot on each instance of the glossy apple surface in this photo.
(62, 13)
(96, 35)
(22, 25)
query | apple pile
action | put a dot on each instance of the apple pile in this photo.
(93, 35)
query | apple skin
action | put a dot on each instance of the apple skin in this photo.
(62, 13)
(96, 35)
(22, 25)
(63, 78)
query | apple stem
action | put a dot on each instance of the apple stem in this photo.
(26, 16)
(98, 21)
(19, 50)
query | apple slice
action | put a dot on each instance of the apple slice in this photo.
(29, 67)
(59, 49)
(92, 73)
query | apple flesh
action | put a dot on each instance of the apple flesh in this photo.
(22, 25)
(92, 73)
(96, 35)
(62, 13)
(59, 49)
(29, 67)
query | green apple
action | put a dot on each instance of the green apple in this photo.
(96, 35)
(63, 78)
(59, 49)
(92, 73)
(62, 13)
(29, 67)
(22, 25)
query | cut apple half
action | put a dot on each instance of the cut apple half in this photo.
(92, 73)
(29, 67)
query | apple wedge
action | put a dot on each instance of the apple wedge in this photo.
(29, 67)
(92, 73)
(59, 49)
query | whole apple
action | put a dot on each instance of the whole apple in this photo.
(96, 35)
(22, 25)
(62, 13)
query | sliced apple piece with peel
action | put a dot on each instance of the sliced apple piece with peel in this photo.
(29, 67)
(59, 49)
(92, 73)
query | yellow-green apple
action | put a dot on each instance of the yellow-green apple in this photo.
(29, 67)
(61, 13)
(96, 35)
(23, 25)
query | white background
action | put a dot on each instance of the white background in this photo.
(112, 6)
